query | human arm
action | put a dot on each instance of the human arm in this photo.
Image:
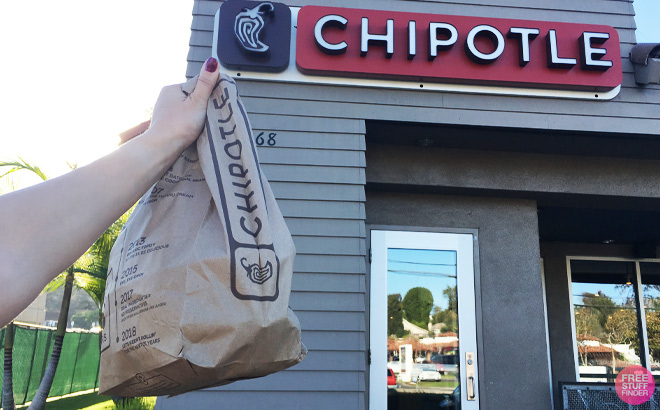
(45, 228)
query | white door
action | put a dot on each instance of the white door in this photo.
(422, 321)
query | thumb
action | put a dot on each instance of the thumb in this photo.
(208, 77)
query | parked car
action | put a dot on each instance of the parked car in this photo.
(449, 362)
(453, 401)
(395, 366)
(391, 379)
(426, 372)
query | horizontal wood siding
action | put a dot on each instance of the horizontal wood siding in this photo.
(316, 166)
(264, 400)
(315, 163)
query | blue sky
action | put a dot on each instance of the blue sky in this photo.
(432, 269)
(646, 16)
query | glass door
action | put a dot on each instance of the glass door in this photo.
(422, 321)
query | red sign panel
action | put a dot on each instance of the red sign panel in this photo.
(471, 50)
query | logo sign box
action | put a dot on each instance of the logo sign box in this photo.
(254, 35)
(333, 45)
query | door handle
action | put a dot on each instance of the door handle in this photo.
(470, 375)
(471, 395)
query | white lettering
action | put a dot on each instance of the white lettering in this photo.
(554, 61)
(387, 39)
(493, 35)
(591, 57)
(434, 43)
(524, 35)
(331, 20)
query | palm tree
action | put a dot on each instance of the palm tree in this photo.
(87, 273)
(39, 400)
(7, 387)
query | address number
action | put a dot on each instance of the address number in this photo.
(269, 139)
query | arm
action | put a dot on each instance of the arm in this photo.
(45, 228)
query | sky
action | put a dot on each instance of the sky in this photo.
(434, 270)
(75, 73)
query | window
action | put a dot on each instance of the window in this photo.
(616, 316)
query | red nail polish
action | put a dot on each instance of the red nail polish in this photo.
(211, 65)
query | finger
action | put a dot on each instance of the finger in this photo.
(208, 77)
(133, 132)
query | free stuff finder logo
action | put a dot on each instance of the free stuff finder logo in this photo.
(635, 385)
(253, 35)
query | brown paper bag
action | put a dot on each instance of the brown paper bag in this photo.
(198, 284)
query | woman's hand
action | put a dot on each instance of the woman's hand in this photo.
(178, 116)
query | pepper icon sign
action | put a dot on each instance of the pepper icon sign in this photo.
(248, 26)
(253, 35)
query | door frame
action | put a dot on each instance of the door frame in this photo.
(477, 296)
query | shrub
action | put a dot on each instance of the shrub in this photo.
(136, 403)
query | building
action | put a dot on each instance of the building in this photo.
(525, 196)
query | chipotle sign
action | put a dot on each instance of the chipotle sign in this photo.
(343, 42)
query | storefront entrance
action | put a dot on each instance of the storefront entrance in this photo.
(423, 339)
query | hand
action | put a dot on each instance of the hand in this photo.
(179, 117)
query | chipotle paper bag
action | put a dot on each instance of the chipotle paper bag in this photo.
(198, 284)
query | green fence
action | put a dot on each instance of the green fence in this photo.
(77, 370)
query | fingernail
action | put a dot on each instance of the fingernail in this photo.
(211, 65)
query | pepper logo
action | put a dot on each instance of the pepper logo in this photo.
(256, 273)
(248, 25)
(252, 35)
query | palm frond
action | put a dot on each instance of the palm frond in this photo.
(94, 286)
(55, 284)
(21, 164)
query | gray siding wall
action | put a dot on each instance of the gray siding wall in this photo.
(317, 172)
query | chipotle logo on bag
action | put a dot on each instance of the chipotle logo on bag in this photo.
(237, 182)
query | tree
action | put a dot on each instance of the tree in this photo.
(601, 305)
(449, 316)
(395, 315)
(621, 327)
(452, 298)
(7, 386)
(417, 305)
(586, 323)
(653, 333)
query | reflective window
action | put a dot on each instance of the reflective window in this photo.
(422, 326)
(610, 332)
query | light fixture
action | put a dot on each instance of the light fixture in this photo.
(628, 280)
(424, 142)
